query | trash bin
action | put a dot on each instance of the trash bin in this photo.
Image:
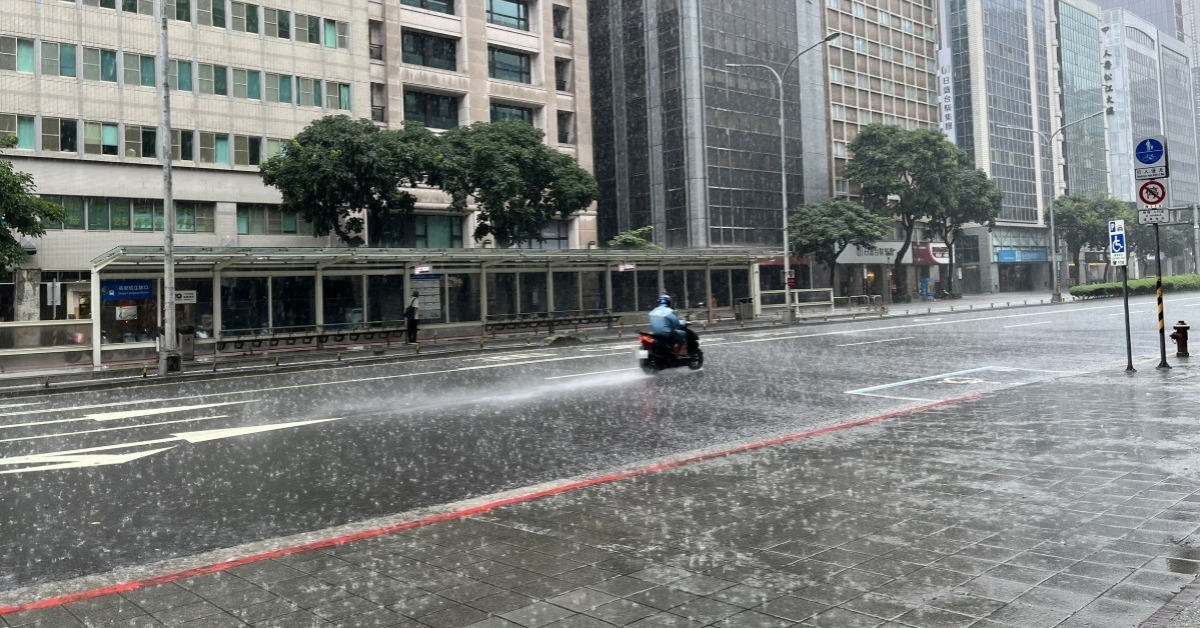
(187, 342)
(743, 309)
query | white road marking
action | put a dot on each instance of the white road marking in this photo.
(127, 414)
(102, 405)
(230, 432)
(510, 357)
(947, 378)
(19, 405)
(873, 342)
(87, 460)
(592, 373)
(1027, 324)
(110, 429)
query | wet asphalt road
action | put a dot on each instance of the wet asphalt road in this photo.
(95, 481)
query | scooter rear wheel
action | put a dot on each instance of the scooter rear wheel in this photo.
(697, 361)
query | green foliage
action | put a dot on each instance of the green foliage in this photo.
(337, 170)
(634, 239)
(1175, 283)
(824, 230)
(918, 169)
(974, 199)
(518, 182)
(21, 210)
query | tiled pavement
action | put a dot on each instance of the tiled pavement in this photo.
(1070, 503)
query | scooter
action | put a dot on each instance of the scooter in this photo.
(655, 353)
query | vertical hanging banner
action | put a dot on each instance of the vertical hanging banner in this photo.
(945, 93)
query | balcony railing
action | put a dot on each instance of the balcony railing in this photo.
(378, 113)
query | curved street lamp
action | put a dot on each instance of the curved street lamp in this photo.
(787, 267)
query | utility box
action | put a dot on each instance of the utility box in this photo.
(743, 309)
(187, 342)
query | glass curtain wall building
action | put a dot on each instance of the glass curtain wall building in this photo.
(1081, 73)
(691, 147)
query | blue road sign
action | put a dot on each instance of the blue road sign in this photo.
(1117, 243)
(1150, 151)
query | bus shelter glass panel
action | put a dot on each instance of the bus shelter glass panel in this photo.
(129, 310)
(722, 295)
(343, 308)
(431, 302)
(673, 284)
(647, 289)
(533, 294)
(566, 292)
(243, 305)
(739, 281)
(697, 290)
(200, 313)
(595, 300)
(294, 303)
(462, 298)
(624, 291)
(502, 295)
(387, 300)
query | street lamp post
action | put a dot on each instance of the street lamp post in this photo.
(1056, 294)
(787, 266)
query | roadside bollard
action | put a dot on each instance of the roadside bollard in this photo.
(276, 360)
(339, 356)
(417, 346)
(143, 371)
(481, 341)
(214, 369)
(1180, 336)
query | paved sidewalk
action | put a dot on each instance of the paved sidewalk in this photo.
(1072, 503)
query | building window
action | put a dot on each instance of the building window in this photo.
(277, 23)
(60, 134)
(103, 4)
(145, 7)
(308, 92)
(100, 139)
(212, 13)
(501, 113)
(100, 65)
(181, 75)
(275, 147)
(99, 215)
(183, 147)
(308, 29)
(337, 34)
(555, 236)
(510, 13)
(58, 59)
(245, 17)
(562, 22)
(441, 6)
(507, 65)
(279, 88)
(193, 217)
(141, 141)
(435, 111)
(566, 127)
(180, 10)
(247, 151)
(247, 84)
(430, 50)
(16, 54)
(562, 75)
(255, 219)
(214, 148)
(214, 79)
(20, 126)
(139, 70)
(338, 96)
(437, 232)
(74, 215)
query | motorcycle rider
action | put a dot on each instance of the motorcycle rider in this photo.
(666, 325)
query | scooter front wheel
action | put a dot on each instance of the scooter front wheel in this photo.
(697, 361)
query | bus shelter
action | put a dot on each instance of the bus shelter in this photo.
(225, 295)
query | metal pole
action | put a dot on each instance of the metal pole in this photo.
(1056, 291)
(168, 358)
(1196, 238)
(787, 262)
(1128, 339)
(1158, 290)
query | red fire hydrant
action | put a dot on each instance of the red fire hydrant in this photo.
(1180, 336)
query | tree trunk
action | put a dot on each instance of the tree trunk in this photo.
(949, 267)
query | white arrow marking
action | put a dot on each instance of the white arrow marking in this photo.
(206, 435)
(111, 429)
(80, 461)
(97, 405)
(18, 405)
(126, 414)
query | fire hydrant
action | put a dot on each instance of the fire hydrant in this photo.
(1180, 336)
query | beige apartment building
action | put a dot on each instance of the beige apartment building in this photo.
(78, 89)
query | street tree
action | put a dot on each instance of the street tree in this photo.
(22, 211)
(823, 231)
(634, 239)
(1173, 241)
(517, 182)
(338, 171)
(974, 199)
(908, 175)
(1082, 222)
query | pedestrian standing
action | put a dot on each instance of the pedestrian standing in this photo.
(410, 317)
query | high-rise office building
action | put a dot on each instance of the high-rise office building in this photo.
(690, 146)
(1165, 15)
(78, 88)
(1082, 153)
(1151, 92)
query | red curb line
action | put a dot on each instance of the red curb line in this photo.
(458, 514)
